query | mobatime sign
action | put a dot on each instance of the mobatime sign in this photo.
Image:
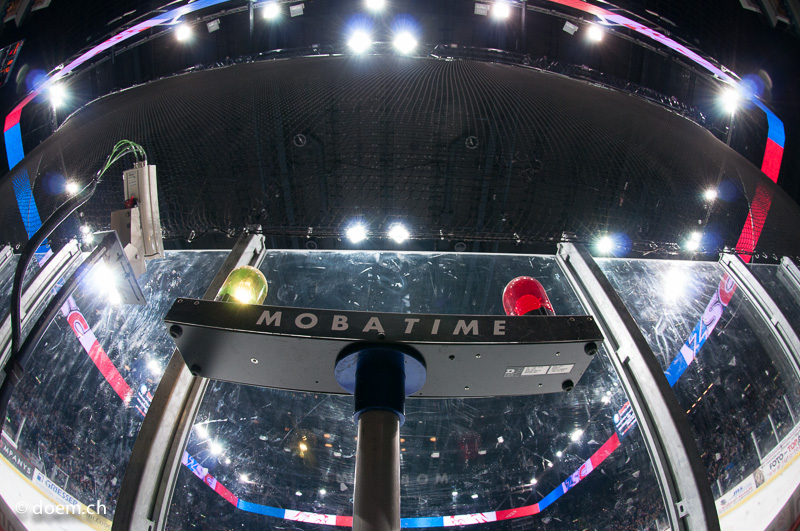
(465, 355)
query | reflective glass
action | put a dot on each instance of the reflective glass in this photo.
(782, 289)
(257, 457)
(738, 383)
(76, 413)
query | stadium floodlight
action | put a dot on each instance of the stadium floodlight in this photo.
(183, 32)
(576, 435)
(594, 33)
(356, 233)
(405, 43)
(730, 99)
(271, 10)
(398, 233)
(605, 245)
(71, 188)
(375, 5)
(360, 41)
(58, 94)
(710, 194)
(245, 284)
(501, 10)
(693, 243)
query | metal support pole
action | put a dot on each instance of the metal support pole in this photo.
(380, 378)
(146, 489)
(789, 407)
(755, 444)
(376, 500)
(665, 429)
(250, 34)
(774, 430)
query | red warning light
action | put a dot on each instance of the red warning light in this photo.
(526, 296)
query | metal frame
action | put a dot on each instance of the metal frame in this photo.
(789, 274)
(5, 255)
(35, 294)
(152, 471)
(776, 321)
(666, 431)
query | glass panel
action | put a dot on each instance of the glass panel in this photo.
(265, 453)
(740, 378)
(6, 282)
(74, 417)
(781, 289)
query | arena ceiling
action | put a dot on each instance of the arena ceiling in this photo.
(464, 144)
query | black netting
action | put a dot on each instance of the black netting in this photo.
(460, 150)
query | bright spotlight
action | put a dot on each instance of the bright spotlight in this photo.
(501, 10)
(323, 492)
(104, 279)
(85, 229)
(576, 435)
(729, 99)
(244, 478)
(605, 245)
(675, 282)
(398, 233)
(201, 430)
(271, 10)
(534, 481)
(693, 243)
(375, 5)
(183, 32)
(474, 496)
(594, 33)
(356, 233)
(360, 42)
(298, 493)
(405, 42)
(57, 95)
(215, 448)
(710, 194)
(559, 453)
(71, 188)
(454, 493)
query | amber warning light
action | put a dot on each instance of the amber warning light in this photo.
(526, 296)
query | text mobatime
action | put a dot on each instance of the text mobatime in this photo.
(394, 326)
